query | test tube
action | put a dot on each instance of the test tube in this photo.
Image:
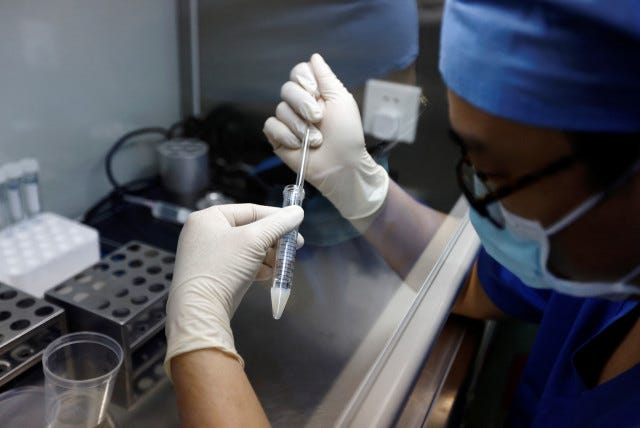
(285, 255)
(5, 220)
(14, 174)
(30, 186)
(293, 194)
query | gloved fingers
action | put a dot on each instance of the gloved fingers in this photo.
(209, 215)
(290, 157)
(286, 115)
(279, 134)
(264, 272)
(243, 214)
(270, 258)
(328, 84)
(272, 227)
(303, 75)
(301, 101)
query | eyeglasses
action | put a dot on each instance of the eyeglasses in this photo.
(482, 196)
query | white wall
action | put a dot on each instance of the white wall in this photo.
(74, 76)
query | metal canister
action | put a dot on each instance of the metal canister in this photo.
(184, 166)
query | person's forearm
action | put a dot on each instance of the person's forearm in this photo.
(473, 301)
(401, 232)
(402, 229)
(212, 390)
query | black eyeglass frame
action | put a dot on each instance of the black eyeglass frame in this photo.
(481, 203)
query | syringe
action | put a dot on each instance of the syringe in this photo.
(293, 194)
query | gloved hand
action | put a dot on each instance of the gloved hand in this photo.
(339, 166)
(221, 250)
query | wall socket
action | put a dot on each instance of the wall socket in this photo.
(390, 110)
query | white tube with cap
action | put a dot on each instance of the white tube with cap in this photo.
(30, 186)
(14, 174)
(5, 220)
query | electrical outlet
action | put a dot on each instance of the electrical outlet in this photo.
(390, 110)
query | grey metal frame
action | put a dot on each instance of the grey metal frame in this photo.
(188, 49)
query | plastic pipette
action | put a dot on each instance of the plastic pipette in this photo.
(304, 162)
(293, 194)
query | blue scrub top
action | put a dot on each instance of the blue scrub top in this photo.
(248, 46)
(557, 387)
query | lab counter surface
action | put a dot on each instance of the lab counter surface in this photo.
(353, 338)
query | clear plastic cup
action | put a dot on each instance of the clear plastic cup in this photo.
(80, 370)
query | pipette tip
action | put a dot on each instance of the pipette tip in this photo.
(279, 297)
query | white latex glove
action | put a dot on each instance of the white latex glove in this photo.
(221, 250)
(339, 166)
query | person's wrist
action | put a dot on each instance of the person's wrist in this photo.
(205, 325)
(376, 195)
(217, 337)
(359, 193)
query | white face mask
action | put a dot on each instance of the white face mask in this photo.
(522, 246)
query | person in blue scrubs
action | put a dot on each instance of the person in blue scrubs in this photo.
(543, 101)
(249, 46)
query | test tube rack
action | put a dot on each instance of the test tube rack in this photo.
(124, 296)
(42, 251)
(27, 326)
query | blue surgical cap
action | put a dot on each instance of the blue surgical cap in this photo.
(571, 65)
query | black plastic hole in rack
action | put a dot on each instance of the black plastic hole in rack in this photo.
(121, 293)
(20, 325)
(139, 300)
(44, 311)
(22, 352)
(154, 270)
(156, 288)
(104, 304)
(101, 267)
(138, 280)
(26, 302)
(121, 312)
(8, 294)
